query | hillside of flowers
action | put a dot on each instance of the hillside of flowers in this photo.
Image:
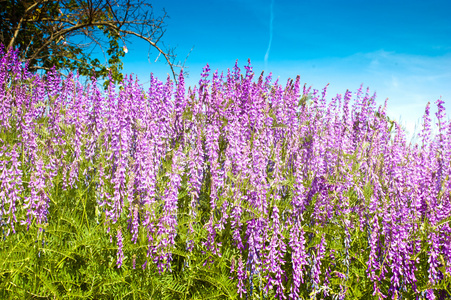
(238, 188)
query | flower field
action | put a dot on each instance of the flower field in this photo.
(238, 188)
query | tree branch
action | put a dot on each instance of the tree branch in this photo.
(19, 25)
(67, 19)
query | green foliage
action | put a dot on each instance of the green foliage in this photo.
(70, 35)
(72, 257)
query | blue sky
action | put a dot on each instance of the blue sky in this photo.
(399, 49)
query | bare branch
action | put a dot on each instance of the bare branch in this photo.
(166, 56)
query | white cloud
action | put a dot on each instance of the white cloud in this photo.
(394, 81)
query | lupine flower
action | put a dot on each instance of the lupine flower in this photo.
(120, 245)
(274, 260)
(241, 277)
(249, 148)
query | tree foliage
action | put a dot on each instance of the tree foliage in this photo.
(67, 34)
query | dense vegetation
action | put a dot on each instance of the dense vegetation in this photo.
(237, 188)
(89, 37)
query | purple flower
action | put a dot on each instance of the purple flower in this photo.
(298, 258)
(275, 252)
(135, 223)
(10, 186)
(120, 253)
(241, 277)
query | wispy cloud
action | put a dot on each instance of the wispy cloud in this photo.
(271, 21)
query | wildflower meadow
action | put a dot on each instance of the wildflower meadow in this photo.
(240, 187)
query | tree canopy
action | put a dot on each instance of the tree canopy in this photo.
(65, 33)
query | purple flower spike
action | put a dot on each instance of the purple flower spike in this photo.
(120, 253)
(241, 277)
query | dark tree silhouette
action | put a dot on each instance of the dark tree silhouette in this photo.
(65, 33)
